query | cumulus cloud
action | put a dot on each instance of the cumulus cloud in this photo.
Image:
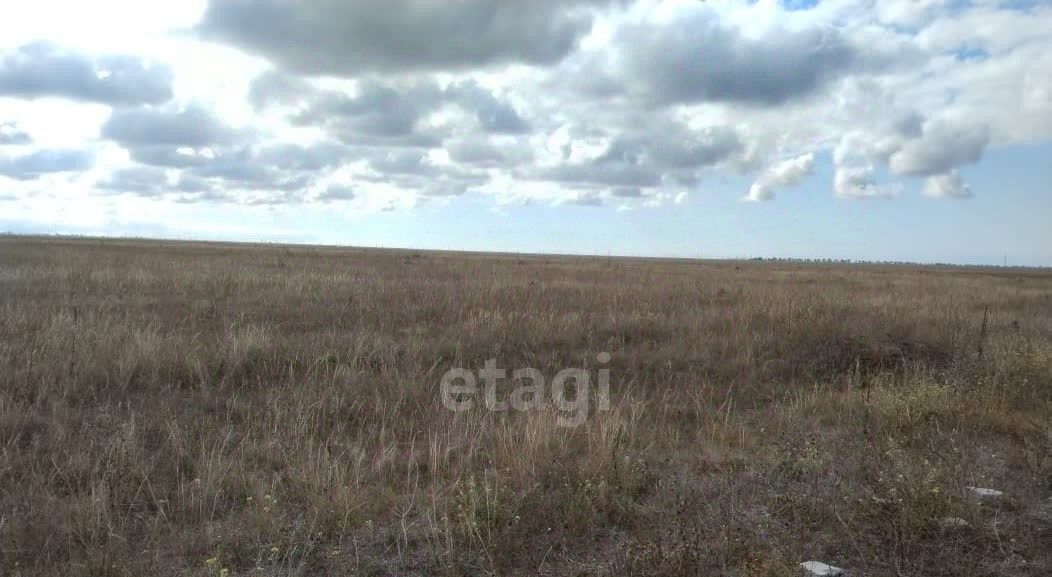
(192, 139)
(376, 114)
(383, 127)
(656, 161)
(696, 58)
(140, 180)
(583, 198)
(601, 173)
(243, 169)
(403, 162)
(10, 134)
(415, 170)
(190, 127)
(949, 185)
(41, 162)
(908, 145)
(786, 173)
(942, 147)
(387, 113)
(214, 160)
(446, 186)
(275, 88)
(662, 154)
(858, 182)
(275, 175)
(879, 141)
(42, 70)
(493, 114)
(485, 152)
(393, 126)
(352, 37)
(336, 193)
(673, 146)
(315, 157)
(592, 102)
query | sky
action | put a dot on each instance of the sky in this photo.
(907, 130)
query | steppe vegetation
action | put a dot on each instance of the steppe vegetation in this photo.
(222, 410)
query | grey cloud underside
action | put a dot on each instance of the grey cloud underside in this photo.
(141, 180)
(666, 154)
(626, 192)
(389, 125)
(286, 168)
(242, 169)
(43, 70)
(940, 148)
(276, 88)
(406, 162)
(386, 114)
(42, 162)
(337, 193)
(319, 156)
(675, 147)
(378, 125)
(413, 169)
(146, 127)
(378, 113)
(415, 163)
(153, 182)
(596, 174)
(484, 152)
(193, 184)
(697, 59)
(494, 115)
(214, 156)
(475, 152)
(352, 37)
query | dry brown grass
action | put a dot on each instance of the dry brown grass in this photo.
(183, 408)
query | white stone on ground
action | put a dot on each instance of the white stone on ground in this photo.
(986, 494)
(819, 569)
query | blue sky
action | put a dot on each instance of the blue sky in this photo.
(1011, 216)
(917, 130)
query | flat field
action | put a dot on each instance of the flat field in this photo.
(220, 410)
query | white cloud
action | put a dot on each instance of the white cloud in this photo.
(943, 146)
(786, 173)
(599, 102)
(947, 185)
(860, 182)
